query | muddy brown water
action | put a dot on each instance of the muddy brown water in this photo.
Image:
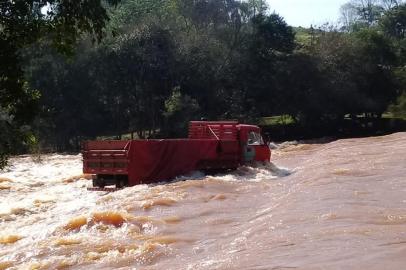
(340, 205)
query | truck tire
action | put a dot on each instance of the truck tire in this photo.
(98, 183)
(120, 183)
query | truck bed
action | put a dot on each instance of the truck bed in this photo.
(151, 161)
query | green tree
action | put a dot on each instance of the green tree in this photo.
(358, 14)
(258, 89)
(169, 61)
(179, 110)
(394, 22)
(23, 23)
(357, 73)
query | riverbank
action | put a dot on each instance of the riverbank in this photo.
(348, 128)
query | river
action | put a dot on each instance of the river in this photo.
(336, 205)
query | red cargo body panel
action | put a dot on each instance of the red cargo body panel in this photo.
(157, 160)
(150, 161)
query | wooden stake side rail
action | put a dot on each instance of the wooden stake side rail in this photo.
(106, 157)
(213, 130)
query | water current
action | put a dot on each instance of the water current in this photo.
(337, 205)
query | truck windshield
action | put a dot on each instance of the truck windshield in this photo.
(254, 138)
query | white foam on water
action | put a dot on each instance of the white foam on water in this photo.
(255, 173)
(344, 206)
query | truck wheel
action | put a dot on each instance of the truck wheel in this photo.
(101, 183)
(120, 183)
(98, 183)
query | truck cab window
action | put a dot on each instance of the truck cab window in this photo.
(254, 138)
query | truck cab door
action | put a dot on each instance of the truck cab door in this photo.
(256, 149)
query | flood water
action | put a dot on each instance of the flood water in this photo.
(338, 205)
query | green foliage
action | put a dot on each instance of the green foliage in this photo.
(168, 62)
(359, 14)
(6, 135)
(257, 87)
(179, 110)
(393, 22)
(399, 108)
(271, 35)
(23, 23)
(13, 138)
(337, 74)
(130, 13)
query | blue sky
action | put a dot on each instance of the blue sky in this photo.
(307, 12)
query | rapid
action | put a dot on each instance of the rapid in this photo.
(337, 205)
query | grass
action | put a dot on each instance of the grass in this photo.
(389, 115)
(276, 120)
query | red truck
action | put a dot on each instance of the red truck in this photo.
(210, 146)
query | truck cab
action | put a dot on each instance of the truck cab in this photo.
(254, 147)
(244, 141)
